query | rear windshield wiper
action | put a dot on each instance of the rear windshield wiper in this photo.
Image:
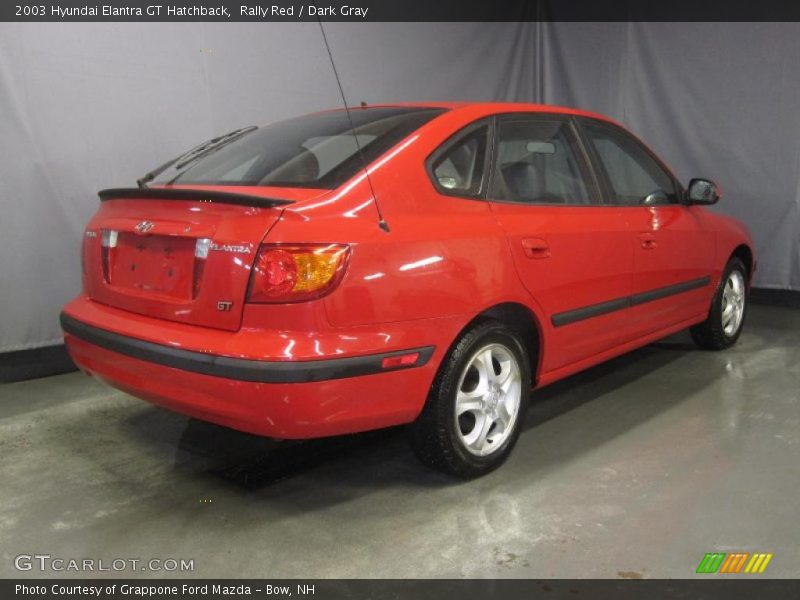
(195, 153)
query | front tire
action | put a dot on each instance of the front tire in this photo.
(728, 309)
(476, 406)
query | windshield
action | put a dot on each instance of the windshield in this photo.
(314, 151)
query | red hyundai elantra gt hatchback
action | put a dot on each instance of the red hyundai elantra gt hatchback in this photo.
(410, 264)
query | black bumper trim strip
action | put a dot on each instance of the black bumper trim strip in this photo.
(595, 310)
(239, 369)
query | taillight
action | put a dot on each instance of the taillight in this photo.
(295, 272)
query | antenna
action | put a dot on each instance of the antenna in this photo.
(381, 221)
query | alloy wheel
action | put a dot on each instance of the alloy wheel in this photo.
(733, 301)
(488, 399)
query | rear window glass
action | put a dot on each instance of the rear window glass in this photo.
(314, 151)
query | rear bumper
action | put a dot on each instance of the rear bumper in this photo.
(242, 369)
(292, 399)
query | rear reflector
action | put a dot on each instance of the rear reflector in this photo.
(403, 360)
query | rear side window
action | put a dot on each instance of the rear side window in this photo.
(537, 163)
(459, 167)
(314, 151)
(635, 176)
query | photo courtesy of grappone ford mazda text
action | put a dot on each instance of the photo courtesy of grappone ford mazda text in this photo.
(426, 265)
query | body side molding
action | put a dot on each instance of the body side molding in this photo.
(602, 308)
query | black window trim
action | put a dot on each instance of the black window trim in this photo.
(588, 173)
(449, 143)
(610, 197)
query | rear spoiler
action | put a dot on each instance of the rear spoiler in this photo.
(187, 194)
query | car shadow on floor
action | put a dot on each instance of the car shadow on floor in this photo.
(382, 457)
(568, 394)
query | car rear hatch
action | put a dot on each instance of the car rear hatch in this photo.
(182, 254)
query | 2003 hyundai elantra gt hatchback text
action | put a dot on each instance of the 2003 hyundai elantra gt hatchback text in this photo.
(412, 264)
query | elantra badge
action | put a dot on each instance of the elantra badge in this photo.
(235, 248)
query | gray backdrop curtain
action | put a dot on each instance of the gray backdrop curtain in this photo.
(716, 100)
(86, 106)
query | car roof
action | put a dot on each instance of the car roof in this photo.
(498, 107)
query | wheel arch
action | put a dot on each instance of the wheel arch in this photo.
(744, 253)
(519, 318)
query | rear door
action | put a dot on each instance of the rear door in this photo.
(572, 252)
(673, 249)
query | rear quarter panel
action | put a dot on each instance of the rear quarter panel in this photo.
(446, 259)
(443, 256)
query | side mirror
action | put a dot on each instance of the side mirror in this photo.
(702, 191)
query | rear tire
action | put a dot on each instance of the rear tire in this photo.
(476, 405)
(728, 310)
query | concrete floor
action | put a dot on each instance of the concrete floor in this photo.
(636, 468)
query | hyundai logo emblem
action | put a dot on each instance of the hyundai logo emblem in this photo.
(144, 227)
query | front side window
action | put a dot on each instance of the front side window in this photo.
(635, 176)
(537, 163)
(314, 151)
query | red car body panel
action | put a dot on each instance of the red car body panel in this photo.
(445, 261)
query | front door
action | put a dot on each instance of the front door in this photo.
(673, 250)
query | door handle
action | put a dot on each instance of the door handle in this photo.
(535, 248)
(648, 241)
